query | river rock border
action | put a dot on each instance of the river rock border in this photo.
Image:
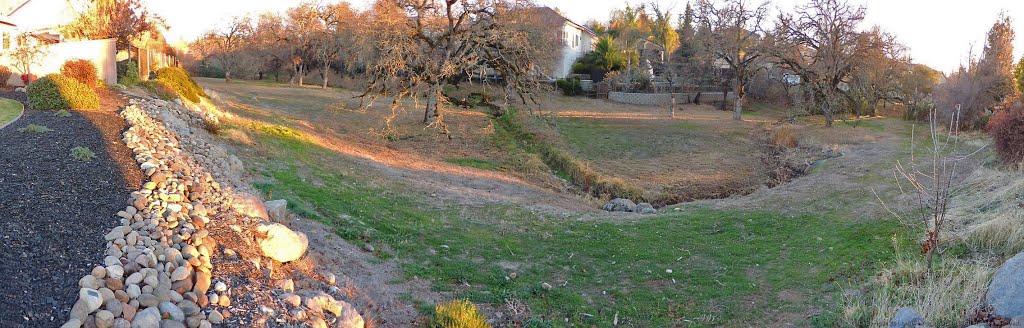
(158, 268)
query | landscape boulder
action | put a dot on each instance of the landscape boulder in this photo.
(1006, 292)
(250, 206)
(619, 205)
(645, 208)
(277, 210)
(282, 244)
(907, 318)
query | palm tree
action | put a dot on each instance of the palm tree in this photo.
(607, 54)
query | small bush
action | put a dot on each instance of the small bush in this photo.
(182, 84)
(570, 86)
(127, 72)
(32, 128)
(160, 89)
(62, 113)
(785, 137)
(1007, 131)
(5, 74)
(82, 154)
(581, 68)
(57, 92)
(458, 314)
(81, 70)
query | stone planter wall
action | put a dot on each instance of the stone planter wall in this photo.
(661, 99)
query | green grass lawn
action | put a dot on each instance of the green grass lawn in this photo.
(9, 109)
(474, 162)
(697, 267)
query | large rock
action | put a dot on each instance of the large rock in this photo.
(277, 209)
(907, 318)
(282, 244)
(619, 205)
(645, 208)
(349, 317)
(171, 311)
(148, 318)
(251, 206)
(1006, 292)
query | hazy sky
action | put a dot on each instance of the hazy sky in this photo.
(938, 32)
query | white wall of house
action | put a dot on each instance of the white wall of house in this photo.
(575, 44)
(100, 52)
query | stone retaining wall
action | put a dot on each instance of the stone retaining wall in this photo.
(662, 99)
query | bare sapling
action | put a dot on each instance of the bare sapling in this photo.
(932, 179)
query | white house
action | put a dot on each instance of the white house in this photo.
(577, 41)
(39, 21)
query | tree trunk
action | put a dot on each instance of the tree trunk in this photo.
(725, 97)
(302, 73)
(738, 107)
(327, 70)
(430, 112)
(294, 75)
(672, 110)
(827, 112)
(227, 76)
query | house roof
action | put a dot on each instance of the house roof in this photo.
(554, 16)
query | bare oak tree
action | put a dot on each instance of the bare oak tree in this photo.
(734, 34)
(421, 45)
(820, 43)
(228, 45)
(877, 77)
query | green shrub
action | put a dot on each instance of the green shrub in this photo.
(458, 314)
(161, 89)
(62, 113)
(581, 68)
(32, 128)
(81, 70)
(57, 92)
(127, 72)
(570, 86)
(82, 154)
(182, 84)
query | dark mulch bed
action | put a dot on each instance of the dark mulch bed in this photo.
(54, 209)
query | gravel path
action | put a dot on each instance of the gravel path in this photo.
(54, 210)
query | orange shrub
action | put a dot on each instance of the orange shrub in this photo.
(81, 70)
(5, 74)
(1007, 130)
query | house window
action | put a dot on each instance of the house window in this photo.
(7, 40)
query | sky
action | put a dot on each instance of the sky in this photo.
(939, 33)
